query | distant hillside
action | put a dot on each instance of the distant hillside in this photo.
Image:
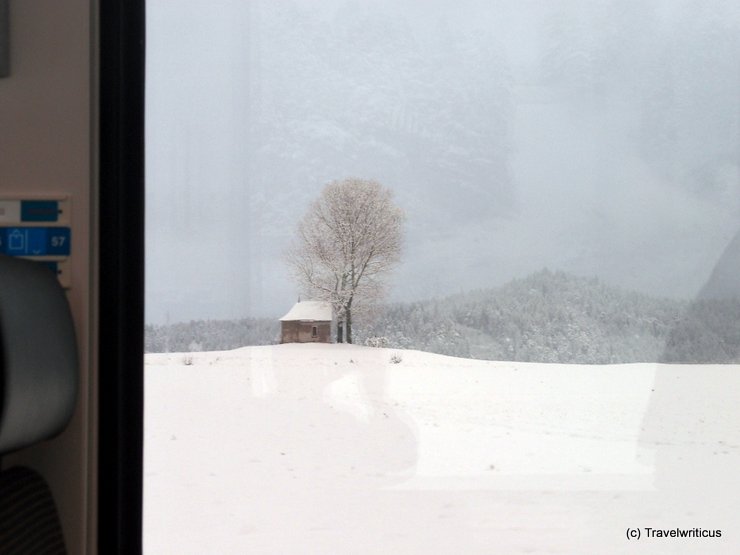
(546, 317)
(210, 335)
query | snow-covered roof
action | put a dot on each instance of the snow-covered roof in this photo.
(309, 310)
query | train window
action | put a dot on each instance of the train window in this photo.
(512, 230)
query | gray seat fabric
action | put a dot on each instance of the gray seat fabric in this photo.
(29, 524)
(38, 390)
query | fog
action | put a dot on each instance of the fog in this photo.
(597, 137)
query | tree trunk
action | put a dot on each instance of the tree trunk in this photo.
(349, 325)
(339, 332)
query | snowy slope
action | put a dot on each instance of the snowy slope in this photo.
(336, 449)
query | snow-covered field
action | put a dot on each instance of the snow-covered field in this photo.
(334, 449)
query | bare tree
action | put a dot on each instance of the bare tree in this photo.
(347, 242)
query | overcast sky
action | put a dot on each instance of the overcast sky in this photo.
(596, 137)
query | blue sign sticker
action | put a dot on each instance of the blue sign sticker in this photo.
(35, 241)
(39, 211)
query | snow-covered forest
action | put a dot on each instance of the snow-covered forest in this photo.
(210, 335)
(547, 317)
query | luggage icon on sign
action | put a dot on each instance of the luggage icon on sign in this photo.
(16, 240)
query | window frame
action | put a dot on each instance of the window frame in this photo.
(120, 216)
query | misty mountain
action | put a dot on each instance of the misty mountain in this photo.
(362, 95)
(598, 137)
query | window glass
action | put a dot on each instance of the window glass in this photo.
(523, 216)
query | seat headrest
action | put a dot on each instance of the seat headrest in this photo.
(38, 355)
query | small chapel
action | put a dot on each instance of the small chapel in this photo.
(307, 322)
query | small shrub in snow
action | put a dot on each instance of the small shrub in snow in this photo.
(396, 358)
(187, 360)
(376, 342)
